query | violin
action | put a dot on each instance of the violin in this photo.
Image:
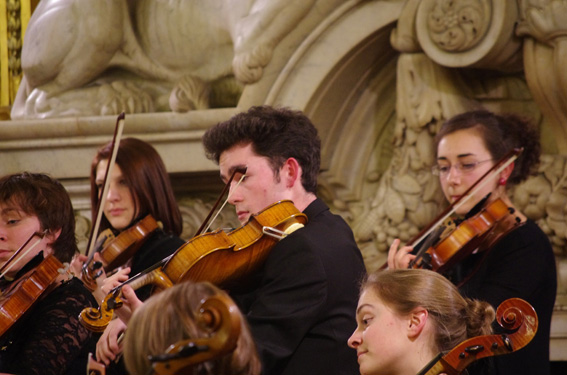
(117, 250)
(22, 293)
(479, 232)
(218, 257)
(520, 322)
(218, 314)
(441, 247)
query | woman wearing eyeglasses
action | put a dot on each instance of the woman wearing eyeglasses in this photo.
(521, 264)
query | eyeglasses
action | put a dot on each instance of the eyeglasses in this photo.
(463, 168)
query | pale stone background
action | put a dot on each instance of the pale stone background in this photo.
(376, 77)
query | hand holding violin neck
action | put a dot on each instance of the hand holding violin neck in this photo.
(96, 319)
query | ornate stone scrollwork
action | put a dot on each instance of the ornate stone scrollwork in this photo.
(459, 26)
(408, 196)
(469, 33)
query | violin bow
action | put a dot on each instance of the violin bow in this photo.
(226, 187)
(508, 159)
(118, 129)
(12, 261)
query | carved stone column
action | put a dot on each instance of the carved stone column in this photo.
(543, 24)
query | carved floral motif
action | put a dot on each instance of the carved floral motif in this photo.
(458, 25)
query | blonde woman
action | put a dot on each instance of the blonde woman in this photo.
(405, 317)
(173, 316)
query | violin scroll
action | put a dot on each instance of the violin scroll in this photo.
(96, 319)
(217, 314)
(519, 321)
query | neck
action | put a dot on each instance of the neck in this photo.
(301, 201)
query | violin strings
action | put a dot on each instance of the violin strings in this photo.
(225, 202)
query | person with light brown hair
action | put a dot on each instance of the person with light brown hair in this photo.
(175, 315)
(407, 316)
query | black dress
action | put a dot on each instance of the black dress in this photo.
(49, 339)
(521, 265)
(158, 247)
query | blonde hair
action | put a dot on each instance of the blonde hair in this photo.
(170, 317)
(454, 317)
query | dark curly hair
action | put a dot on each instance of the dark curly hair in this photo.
(501, 134)
(275, 133)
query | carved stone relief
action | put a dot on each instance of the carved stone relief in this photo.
(87, 57)
(469, 33)
(543, 26)
(466, 34)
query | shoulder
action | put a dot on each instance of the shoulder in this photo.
(326, 239)
(159, 246)
(71, 293)
(160, 238)
(528, 237)
(526, 249)
(319, 214)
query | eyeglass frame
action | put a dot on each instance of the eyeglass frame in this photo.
(435, 170)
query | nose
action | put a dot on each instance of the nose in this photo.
(113, 193)
(454, 176)
(354, 340)
(234, 195)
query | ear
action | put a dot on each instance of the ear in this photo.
(290, 172)
(506, 172)
(416, 322)
(52, 236)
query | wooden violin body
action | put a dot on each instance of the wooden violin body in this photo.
(117, 250)
(477, 233)
(519, 320)
(218, 257)
(234, 255)
(22, 293)
(127, 243)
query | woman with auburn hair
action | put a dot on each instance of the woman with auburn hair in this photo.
(172, 316)
(406, 317)
(139, 186)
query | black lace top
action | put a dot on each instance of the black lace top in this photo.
(49, 339)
